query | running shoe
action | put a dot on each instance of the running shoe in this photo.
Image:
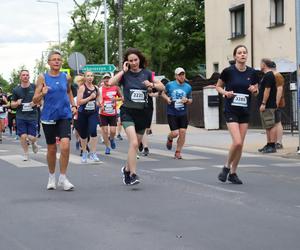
(94, 157)
(134, 179)
(125, 176)
(107, 150)
(119, 137)
(65, 184)
(146, 151)
(169, 143)
(35, 148)
(224, 174)
(279, 145)
(268, 150)
(84, 157)
(234, 179)
(141, 147)
(177, 155)
(51, 183)
(26, 157)
(263, 148)
(112, 143)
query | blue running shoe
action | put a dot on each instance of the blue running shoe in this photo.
(84, 157)
(107, 150)
(112, 143)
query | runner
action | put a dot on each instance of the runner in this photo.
(178, 95)
(108, 114)
(26, 115)
(88, 100)
(3, 103)
(119, 124)
(136, 80)
(236, 84)
(55, 88)
(11, 116)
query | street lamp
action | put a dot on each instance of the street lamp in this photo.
(58, 22)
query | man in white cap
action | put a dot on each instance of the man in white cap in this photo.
(178, 94)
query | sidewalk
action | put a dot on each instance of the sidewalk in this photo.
(255, 139)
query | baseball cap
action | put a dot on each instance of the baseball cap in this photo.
(106, 75)
(179, 70)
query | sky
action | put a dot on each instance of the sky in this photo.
(27, 27)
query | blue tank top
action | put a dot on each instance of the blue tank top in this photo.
(56, 101)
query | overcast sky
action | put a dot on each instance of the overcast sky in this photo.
(26, 28)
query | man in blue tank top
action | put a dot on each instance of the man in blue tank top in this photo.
(54, 87)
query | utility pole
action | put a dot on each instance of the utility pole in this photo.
(120, 27)
(297, 12)
(105, 32)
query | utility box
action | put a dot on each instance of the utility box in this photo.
(211, 107)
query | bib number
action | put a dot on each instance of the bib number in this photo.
(109, 108)
(178, 104)
(138, 95)
(240, 100)
(90, 106)
(26, 107)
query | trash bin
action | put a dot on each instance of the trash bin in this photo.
(211, 107)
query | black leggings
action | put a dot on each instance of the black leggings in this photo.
(10, 118)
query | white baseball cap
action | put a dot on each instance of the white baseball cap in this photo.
(106, 75)
(179, 70)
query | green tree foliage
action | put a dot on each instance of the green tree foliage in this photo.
(169, 32)
(3, 84)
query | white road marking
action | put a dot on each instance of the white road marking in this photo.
(184, 169)
(216, 151)
(123, 156)
(185, 156)
(3, 150)
(291, 164)
(208, 186)
(17, 160)
(77, 160)
(242, 166)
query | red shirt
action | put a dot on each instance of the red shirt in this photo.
(109, 95)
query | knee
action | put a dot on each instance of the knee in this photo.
(134, 144)
(238, 144)
(174, 134)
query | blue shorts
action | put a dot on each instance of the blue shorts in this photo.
(28, 127)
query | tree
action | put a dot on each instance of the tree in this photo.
(3, 83)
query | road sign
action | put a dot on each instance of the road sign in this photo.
(76, 61)
(99, 68)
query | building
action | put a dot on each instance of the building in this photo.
(266, 27)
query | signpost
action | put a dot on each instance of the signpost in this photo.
(99, 68)
(76, 61)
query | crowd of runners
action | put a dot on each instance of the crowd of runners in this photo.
(125, 100)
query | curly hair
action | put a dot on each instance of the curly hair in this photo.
(138, 53)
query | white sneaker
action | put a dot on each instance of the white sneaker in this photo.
(51, 183)
(65, 184)
(26, 157)
(94, 157)
(34, 147)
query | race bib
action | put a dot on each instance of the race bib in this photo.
(1, 109)
(178, 104)
(90, 105)
(109, 108)
(26, 107)
(138, 95)
(240, 100)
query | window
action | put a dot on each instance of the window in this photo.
(237, 21)
(216, 67)
(276, 12)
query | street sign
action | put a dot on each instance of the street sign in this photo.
(99, 68)
(76, 61)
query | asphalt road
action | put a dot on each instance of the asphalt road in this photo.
(179, 205)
